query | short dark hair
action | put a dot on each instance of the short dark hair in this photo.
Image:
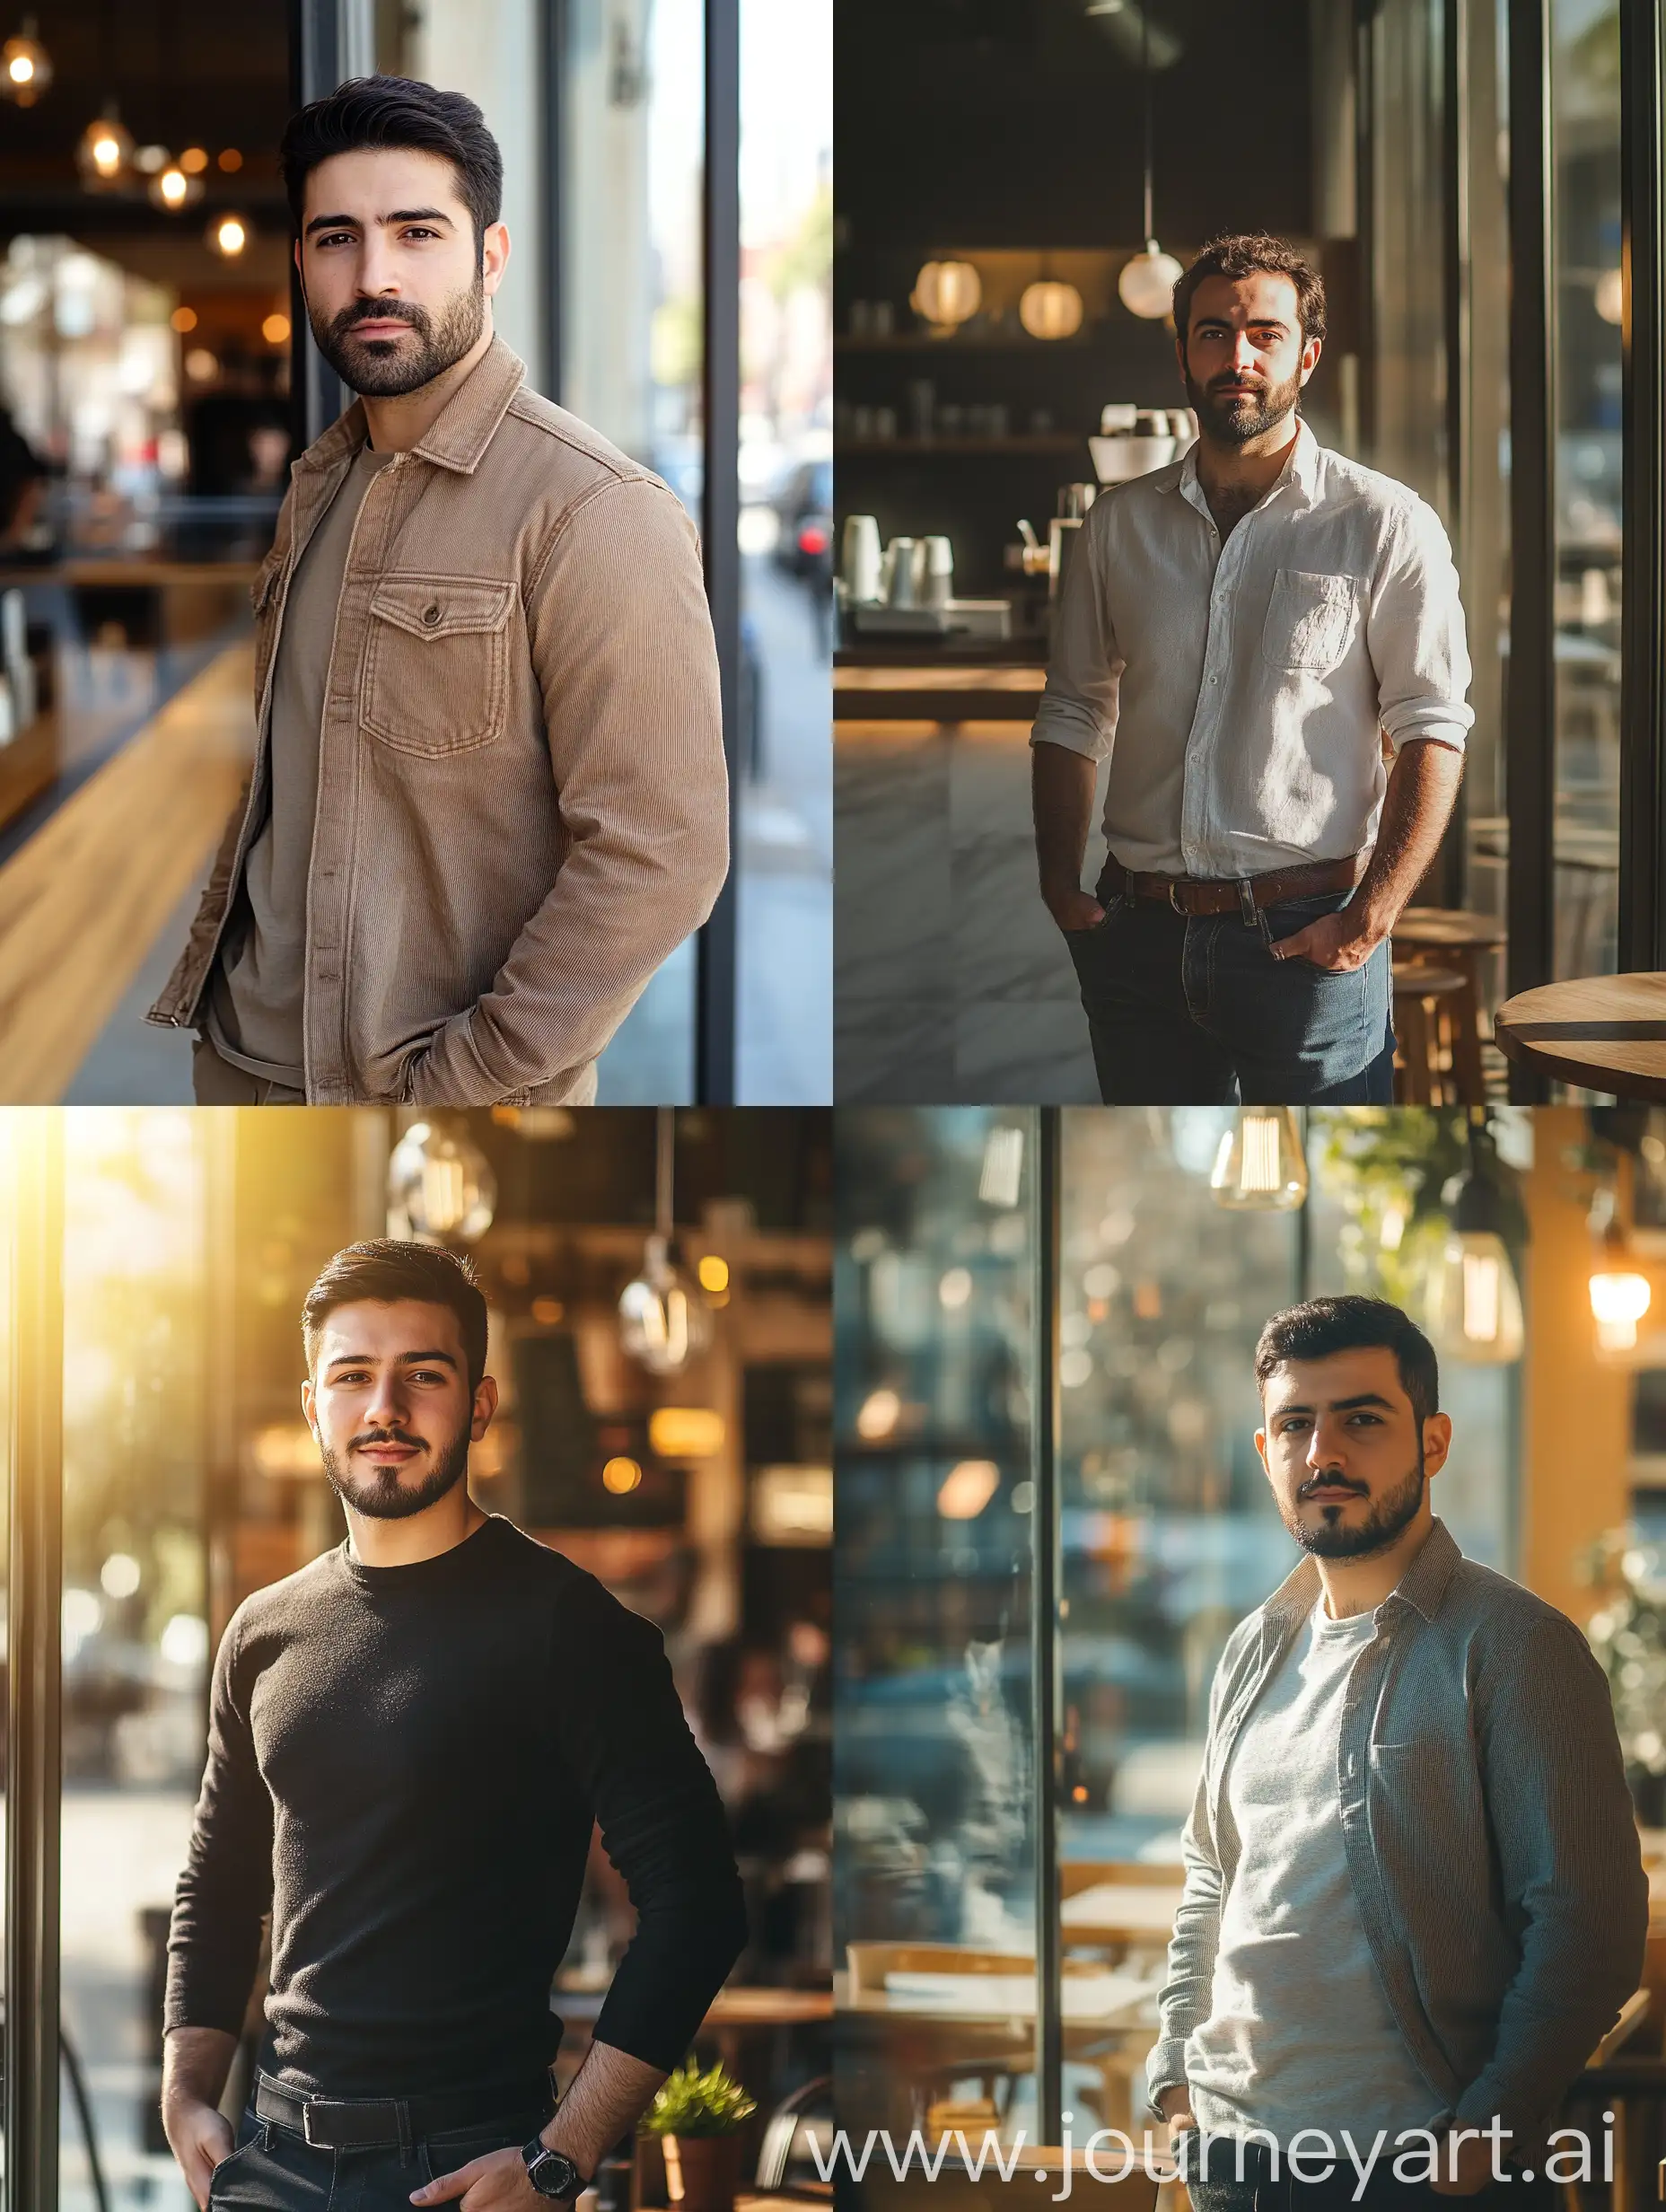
(396, 111)
(1320, 1326)
(385, 1269)
(1251, 253)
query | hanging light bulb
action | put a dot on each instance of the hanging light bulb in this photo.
(1261, 1165)
(1476, 1301)
(172, 189)
(1619, 1296)
(441, 1184)
(1051, 309)
(228, 235)
(25, 66)
(664, 1322)
(104, 152)
(947, 293)
(1146, 281)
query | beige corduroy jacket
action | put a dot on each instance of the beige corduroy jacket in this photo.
(522, 803)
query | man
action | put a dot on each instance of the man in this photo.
(1414, 1894)
(488, 796)
(1242, 636)
(409, 1740)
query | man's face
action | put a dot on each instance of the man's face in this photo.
(395, 290)
(1341, 1449)
(1242, 358)
(389, 1404)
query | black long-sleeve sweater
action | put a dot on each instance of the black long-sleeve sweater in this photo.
(404, 1763)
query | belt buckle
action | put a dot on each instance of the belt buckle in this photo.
(322, 2105)
(1246, 901)
(1174, 894)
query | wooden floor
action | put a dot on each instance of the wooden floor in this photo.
(81, 905)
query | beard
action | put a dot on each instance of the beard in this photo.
(387, 368)
(1333, 1539)
(1233, 419)
(382, 1497)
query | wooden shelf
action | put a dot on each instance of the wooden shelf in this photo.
(922, 449)
(906, 342)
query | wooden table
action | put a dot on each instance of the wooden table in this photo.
(1121, 1912)
(1605, 1033)
(937, 691)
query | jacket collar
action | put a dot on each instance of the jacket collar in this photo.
(1423, 1586)
(1300, 473)
(459, 433)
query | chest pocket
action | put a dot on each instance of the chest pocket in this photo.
(436, 666)
(1310, 619)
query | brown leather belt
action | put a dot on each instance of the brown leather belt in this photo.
(1214, 894)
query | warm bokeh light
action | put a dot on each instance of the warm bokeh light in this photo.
(685, 1432)
(955, 1288)
(878, 1415)
(620, 1475)
(1618, 1301)
(547, 1311)
(193, 161)
(274, 329)
(183, 319)
(120, 1575)
(231, 159)
(228, 234)
(967, 1489)
(201, 366)
(713, 1272)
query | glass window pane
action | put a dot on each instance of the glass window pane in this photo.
(935, 1858)
(785, 1011)
(631, 132)
(1585, 122)
(134, 1626)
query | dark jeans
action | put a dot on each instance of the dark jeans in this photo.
(1260, 2191)
(275, 2169)
(1193, 1010)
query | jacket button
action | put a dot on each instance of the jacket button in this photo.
(431, 615)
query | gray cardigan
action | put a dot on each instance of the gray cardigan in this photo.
(1488, 1830)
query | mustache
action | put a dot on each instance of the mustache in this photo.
(379, 310)
(385, 1435)
(1331, 1482)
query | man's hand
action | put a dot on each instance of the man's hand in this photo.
(1074, 908)
(1175, 2104)
(1338, 942)
(498, 2182)
(199, 2135)
(1472, 2170)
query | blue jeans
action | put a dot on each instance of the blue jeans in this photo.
(1192, 1009)
(1260, 2190)
(275, 2169)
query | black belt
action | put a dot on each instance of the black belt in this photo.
(355, 2123)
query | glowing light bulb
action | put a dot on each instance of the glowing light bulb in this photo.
(1260, 1166)
(1145, 285)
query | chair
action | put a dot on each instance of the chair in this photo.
(786, 2163)
(1451, 938)
(1428, 1015)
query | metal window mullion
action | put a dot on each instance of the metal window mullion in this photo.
(1530, 719)
(34, 1581)
(1044, 1629)
(719, 501)
(1642, 571)
(329, 41)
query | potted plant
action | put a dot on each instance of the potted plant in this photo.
(697, 2118)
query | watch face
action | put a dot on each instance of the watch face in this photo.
(551, 2172)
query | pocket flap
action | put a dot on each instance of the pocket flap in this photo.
(440, 606)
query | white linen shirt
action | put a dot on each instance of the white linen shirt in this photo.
(1239, 691)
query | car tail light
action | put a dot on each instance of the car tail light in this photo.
(812, 537)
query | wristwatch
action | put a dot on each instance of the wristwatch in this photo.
(552, 2173)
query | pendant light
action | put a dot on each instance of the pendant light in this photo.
(1261, 1164)
(1619, 1296)
(947, 293)
(441, 1186)
(664, 1322)
(104, 153)
(1146, 283)
(1049, 309)
(1477, 1301)
(25, 66)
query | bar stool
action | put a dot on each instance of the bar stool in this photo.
(1451, 939)
(1426, 1019)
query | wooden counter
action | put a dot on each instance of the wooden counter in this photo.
(937, 691)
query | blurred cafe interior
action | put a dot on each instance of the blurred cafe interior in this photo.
(1017, 191)
(152, 1264)
(157, 377)
(1049, 1516)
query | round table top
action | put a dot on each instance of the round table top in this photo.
(1605, 1033)
(1446, 926)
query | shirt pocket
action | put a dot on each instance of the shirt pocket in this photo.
(436, 663)
(1309, 619)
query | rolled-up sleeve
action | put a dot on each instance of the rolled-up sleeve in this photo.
(1415, 632)
(1078, 706)
(662, 1826)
